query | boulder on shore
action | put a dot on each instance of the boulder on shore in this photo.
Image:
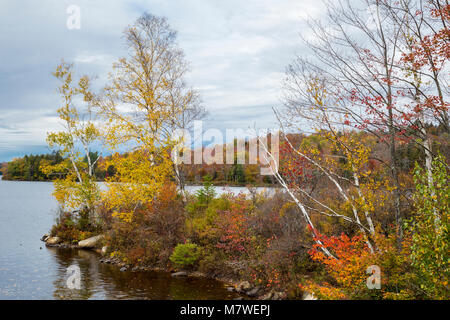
(253, 292)
(279, 296)
(309, 296)
(90, 242)
(53, 240)
(243, 286)
(179, 274)
(45, 237)
(267, 296)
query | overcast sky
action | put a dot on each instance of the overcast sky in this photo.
(237, 50)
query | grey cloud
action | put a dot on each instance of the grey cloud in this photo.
(237, 50)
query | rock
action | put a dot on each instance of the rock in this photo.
(45, 237)
(53, 240)
(238, 298)
(243, 286)
(123, 269)
(253, 292)
(90, 242)
(267, 296)
(279, 296)
(104, 250)
(179, 274)
(135, 269)
(309, 296)
(197, 274)
(230, 289)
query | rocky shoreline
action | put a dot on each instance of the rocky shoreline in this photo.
(240, 287)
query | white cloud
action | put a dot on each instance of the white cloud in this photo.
(93, 58)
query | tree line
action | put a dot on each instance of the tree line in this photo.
(30, 168)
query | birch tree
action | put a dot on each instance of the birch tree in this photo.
(78, 189)
(145, 101)
(365, 55)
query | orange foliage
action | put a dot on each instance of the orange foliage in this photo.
(348, 270)
(236, 238)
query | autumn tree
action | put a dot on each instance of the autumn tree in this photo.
(78, 189)
(365, 55)
(144, 103)
(376, 67)
(425, 52)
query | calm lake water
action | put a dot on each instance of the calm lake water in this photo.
(29, 270)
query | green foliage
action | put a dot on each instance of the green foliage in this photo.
(430, 227)
(207, 193)
(202, 222)
(202, 198)
(237, 173)
(28, 168)
(186, 255)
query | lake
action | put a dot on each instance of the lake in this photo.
(29, 270)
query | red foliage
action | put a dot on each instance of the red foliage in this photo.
(236, 238)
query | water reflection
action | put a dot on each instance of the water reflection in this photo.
(103, 281)
(29, 270)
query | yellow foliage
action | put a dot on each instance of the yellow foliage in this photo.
(140, 176)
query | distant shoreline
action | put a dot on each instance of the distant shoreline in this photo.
(219, 184)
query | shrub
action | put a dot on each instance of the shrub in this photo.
(236, 238)
(201, 226)
(148, 239)
(348, 270)
(207, 193)
(202, 198)
(213, 263)
(186, 255)
(72, 227)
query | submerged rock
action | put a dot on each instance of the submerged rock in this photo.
(90, 242)
(179, 274)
